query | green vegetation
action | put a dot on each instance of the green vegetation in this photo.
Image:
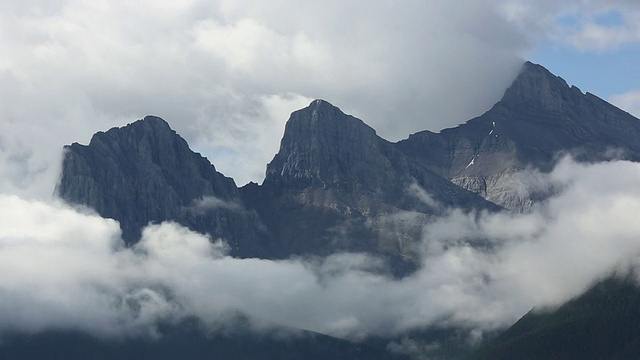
(603, 323)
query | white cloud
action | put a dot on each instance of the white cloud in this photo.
(629, 102)
(585, 25)
(593, 36)
(65, 269)
(226, 74)
(215, 71)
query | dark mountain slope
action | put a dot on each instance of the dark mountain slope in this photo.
(189, 342)
(603, 323)
(538, 117)
(334, 182)
(330, 188)
(323, 148)
(145, 172)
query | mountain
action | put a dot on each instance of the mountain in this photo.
(334, 185)
(331, 187)
(538, 118)
(602, 323)
(189, 341)
(145, 172)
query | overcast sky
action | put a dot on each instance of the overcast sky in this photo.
(226, 75)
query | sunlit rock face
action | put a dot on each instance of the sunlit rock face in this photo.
(335, 182)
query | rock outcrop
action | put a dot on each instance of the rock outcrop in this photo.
(538, 119)
(335, 185)
(145, 173)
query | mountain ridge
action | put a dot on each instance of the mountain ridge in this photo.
(334, 183)
(144, 173)
(538, 117)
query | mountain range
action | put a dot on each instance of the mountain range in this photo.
(334, 186)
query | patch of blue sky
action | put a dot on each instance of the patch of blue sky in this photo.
(571, 21)
(601, 73)
(611, 18)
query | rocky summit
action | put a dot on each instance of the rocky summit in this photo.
(538, 119)
(336, 186)
(145, 173)
(333, 186)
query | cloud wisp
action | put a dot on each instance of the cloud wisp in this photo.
(62, 268)
(588, 25)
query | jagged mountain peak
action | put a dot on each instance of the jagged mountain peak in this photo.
(537, 87)
(319, 105)
(321, 143)
(140, 173)
(150, 124)
(323, 118)
(539, 118)
(140, 131)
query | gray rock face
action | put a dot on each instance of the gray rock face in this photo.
(336, 185)
(323, 148)
(145, 172)
(538, 119)
(506, 188)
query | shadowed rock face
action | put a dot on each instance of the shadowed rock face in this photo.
(325, 149)
(331, 187)
(334, 185)
(538, 118)
(145, 172)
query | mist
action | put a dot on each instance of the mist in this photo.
(226, 75)
(66, 268)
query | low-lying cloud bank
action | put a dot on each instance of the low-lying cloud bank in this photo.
(62, 268)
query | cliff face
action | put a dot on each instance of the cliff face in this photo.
(334, 185)
(145, 172)
(325, 149)
(539, 118)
